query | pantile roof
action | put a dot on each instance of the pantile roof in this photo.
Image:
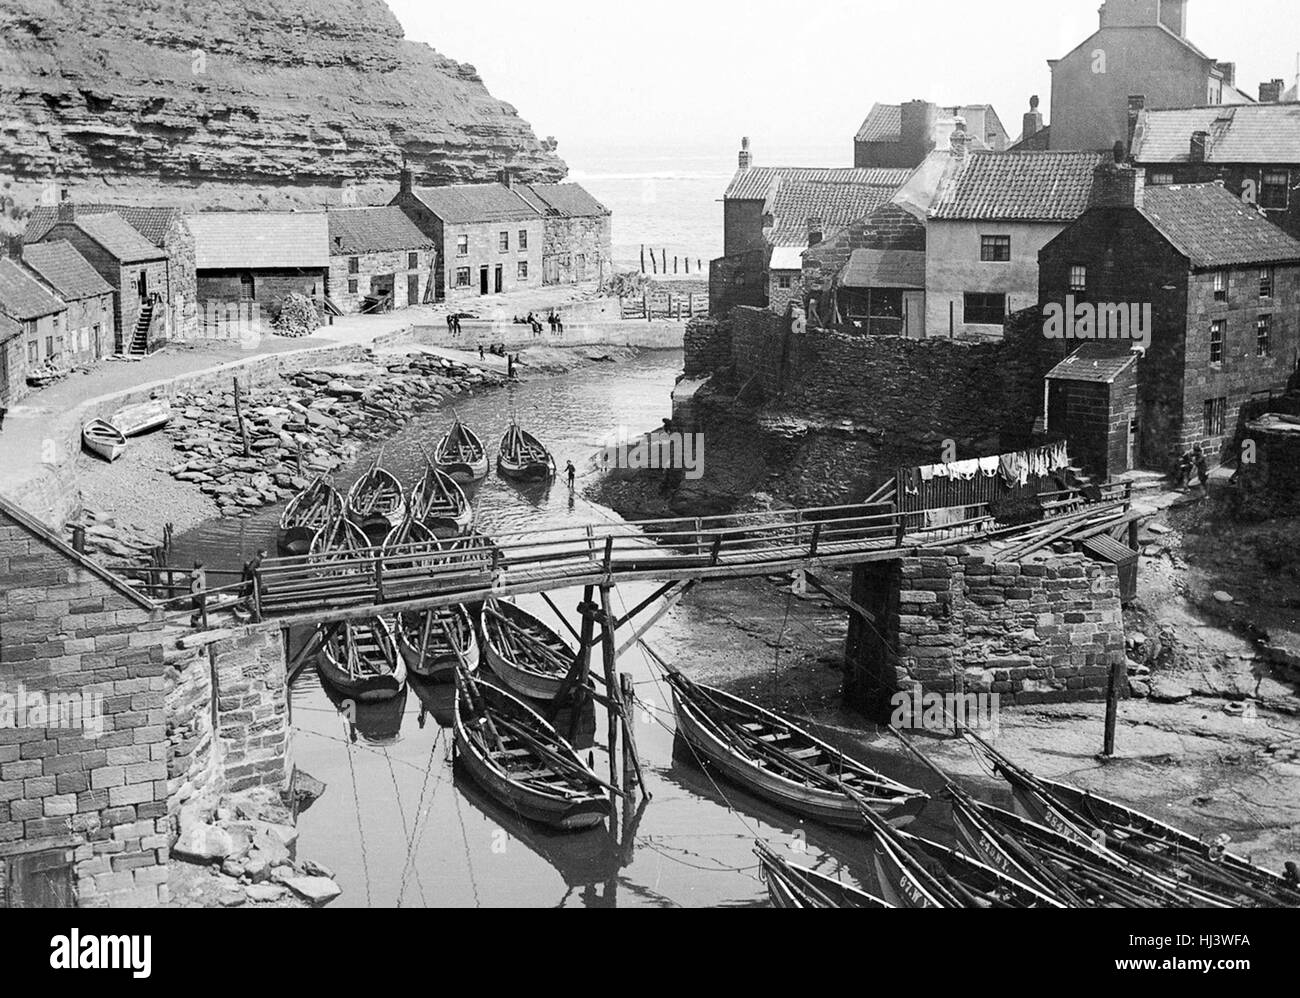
(567, 200)
(64, 269)
(252, 240)
(22, 296)
(792, 195)
(111, 231)
(1213, 228)
(873, 268)
(373, 230)
(1029, 186)
(466, 203)
(150, 221)
(1099, 361)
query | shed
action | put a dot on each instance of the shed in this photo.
(1105, 548)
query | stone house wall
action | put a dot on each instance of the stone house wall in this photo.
(96, 790)
(391, 262)
(577, 249)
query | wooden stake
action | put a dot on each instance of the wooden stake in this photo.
(627, 693)
(1118, 673)
(614, 709)
(239, 418)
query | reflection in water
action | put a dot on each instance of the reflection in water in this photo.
(399, 826)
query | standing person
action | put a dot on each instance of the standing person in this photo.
(451, 322)
(570, 471)
(3, 412)
(480, 351)
(559, 323)
(198, 594)
(249, 575)
(1184, 472)
(550, 321)
(1202, 467)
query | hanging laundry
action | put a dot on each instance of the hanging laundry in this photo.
(926, 472)
(964, 470)
(989, 466)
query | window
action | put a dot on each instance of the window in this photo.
(523, 270)
(996, 249)
(1216, 416)
(354, 265)
(1263, 333)
(352, 287)
(246, 289)
(1078, 278)
(462, 277)
(1216, 342)
(412, 261)
(783, 282)
(503, 242)
(33, 352)
(1274, 189)
(49, 347)
(462, 245)
(1266, 282)
(523, 239)
(985, 308)
(1161, 179)
(1220, 285)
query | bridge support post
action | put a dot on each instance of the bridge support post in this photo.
(615, 706)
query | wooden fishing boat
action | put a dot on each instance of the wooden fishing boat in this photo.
(411, 545)
(1159, 847)
(791, 886)
(522, 456)
(521, 761)
(461, 454)
(103, 438)
(526, 654)
(142, 417)
(377, 503)
(915, 872)
(775, 759)
(314, 507)
(440, 504)
(428, 642)
(360, 660)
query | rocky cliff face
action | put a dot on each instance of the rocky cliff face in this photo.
(240, 103)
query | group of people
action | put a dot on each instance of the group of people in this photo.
(1193, 460)
(453, 323)
(554, 320)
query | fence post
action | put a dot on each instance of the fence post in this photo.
(816, 534)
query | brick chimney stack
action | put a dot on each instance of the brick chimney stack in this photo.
(960, 141)
(1032, 123)
(816, 229)
(406, 179)
(507, 178)
(1200, 147)
(916, 128)
(1271, 92)
(67, 209)
(746, 159)
(1117, 185)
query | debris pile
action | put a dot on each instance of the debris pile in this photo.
(297, 316)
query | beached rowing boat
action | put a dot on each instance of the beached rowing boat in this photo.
(791, 886)
(777, 760)
(377, 503)
(429, 642)
(314, 507)
(526, 654)
(440, 504)
(1150, 843)
(103, 438)
(461, 454)
(360, 660)
(142, 417)
(522, 456)
(521, 761)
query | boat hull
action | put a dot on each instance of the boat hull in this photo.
(525, 681)
(103, 439)
(532, 471)
(371, 688)
(827, 806)
(464, 471)
(439, 668)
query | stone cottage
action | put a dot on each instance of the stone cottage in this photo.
(377, 253)
(89, 323)
(32, 325)
(1221, 285)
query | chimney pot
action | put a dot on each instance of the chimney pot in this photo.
(745, 159)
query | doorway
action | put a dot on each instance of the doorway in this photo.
(500, 277)
(412, 289)
(483, 280)
(142, 285)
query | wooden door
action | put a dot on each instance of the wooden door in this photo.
(412, 289)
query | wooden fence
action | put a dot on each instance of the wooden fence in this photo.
(664, 305)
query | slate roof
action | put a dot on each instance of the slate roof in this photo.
(884, 123)
(1213, 228)
(373, 230)
(253, 240)
(566, 200)
(755, 184)
(1019, 186)
(873, 268)
(150, 221)
(64, 269)
(1241, 133)
(111, 231)
(466, 203)
(22, 296)
(1100, 361)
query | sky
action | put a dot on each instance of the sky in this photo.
(792, 74)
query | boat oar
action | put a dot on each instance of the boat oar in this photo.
(549, 755)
